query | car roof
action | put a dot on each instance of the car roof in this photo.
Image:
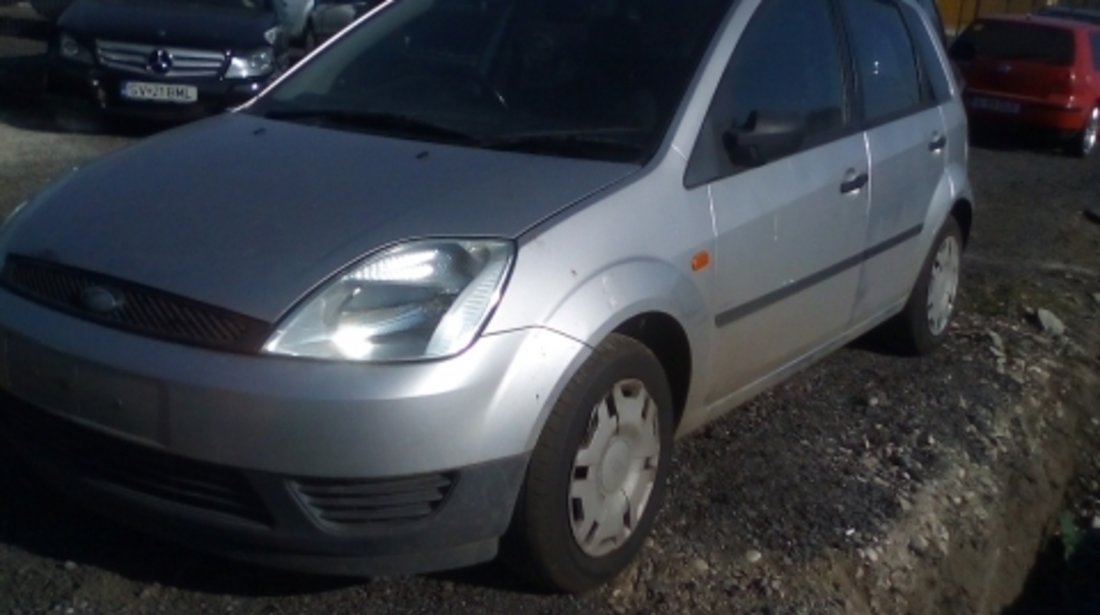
(1069, 11)
(1066, 23)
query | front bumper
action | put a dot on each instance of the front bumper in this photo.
(338, 468)
(83, 85)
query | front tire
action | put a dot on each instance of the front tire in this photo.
(926, 319)
(597, 475)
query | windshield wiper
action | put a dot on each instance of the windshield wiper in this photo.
(370, 121)
(597, 143)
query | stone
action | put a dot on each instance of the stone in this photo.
(753, 556)
(1096, 522)
(998, 344)
(919, 544)
(70, 566)
(1050, 323)
(905, 504)
(699, 565)
(1093, 213)
(1096, 298)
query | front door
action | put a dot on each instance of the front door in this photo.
(789, 228)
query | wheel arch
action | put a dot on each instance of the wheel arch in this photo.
(646, 299)
(963, 212)
(664, 336)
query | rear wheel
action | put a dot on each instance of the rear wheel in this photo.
(1084, 141)
(926, 319)
(596, 477)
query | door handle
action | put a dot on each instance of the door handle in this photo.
(853, 181)
(937, 143)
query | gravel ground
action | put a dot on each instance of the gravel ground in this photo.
(869, 483)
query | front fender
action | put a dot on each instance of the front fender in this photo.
(598, 304)
(605, 300)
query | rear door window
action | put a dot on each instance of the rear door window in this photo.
(886, 67)
(1011, 41)
(1094, 43)
(932, 70)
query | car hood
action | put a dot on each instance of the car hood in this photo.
(251, 214)
(168, 22)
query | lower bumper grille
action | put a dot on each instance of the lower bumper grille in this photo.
(93, 457)
(355, 504)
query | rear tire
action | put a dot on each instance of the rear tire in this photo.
(926, 319)
(597, 475)
(1082, 144)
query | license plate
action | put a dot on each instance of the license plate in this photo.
(996, 105)
(160, 92)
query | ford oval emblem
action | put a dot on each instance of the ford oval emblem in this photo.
(100, 300)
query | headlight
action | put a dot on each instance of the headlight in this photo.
(256, 63)
(71, 49)
(425, 299)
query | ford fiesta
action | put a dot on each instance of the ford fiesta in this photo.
(454, 284)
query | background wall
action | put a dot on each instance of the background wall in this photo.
(958, 13)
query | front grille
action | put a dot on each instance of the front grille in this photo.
(183, 63)
(134, 307)
(96, 458)
(354, 504)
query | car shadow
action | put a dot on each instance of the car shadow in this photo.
(24, 103)
(1011, 140)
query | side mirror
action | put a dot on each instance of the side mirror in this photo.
(765, 136)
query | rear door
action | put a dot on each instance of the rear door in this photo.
(789, 227)
(907, 142)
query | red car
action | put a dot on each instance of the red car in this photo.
(1033, 72)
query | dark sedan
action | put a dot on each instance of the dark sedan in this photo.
(166, 58)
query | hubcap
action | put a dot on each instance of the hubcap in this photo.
(615, 469)
(1088, 138)
(943, 285)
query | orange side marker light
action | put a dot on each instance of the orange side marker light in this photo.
(700, 261)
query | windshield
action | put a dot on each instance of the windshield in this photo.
(585, 78)
(1004, 40)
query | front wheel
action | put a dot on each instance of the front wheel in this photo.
(597, 475)
(924, 323)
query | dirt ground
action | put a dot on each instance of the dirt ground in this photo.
(869, 483)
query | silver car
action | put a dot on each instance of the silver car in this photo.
(454, 285)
